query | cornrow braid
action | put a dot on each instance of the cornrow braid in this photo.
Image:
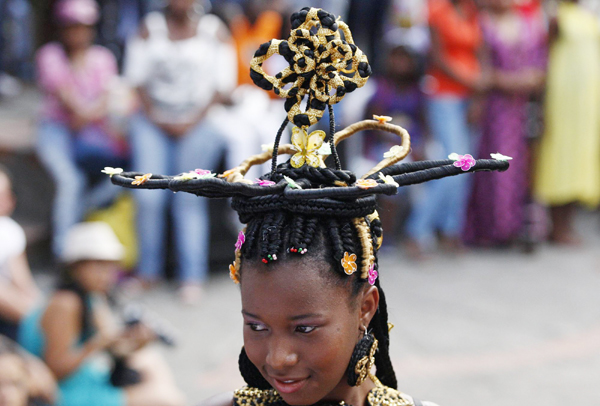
(379, 326)
(364, 235)
(335, 240)
(309, 232)
(297, 225)
(347, 235)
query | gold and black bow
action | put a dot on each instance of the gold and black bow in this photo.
(321, 64)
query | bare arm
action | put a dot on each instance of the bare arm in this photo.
(13, 305)
(21, 277)
(62, 326)
(525, 81)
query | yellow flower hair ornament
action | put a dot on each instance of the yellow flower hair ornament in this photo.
(349, 263)
(307, 146)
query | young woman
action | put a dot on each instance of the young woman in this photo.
(572, 103)
(315, 316)
(75, 138)
(516, 56)
(77, 324)
(454, 76)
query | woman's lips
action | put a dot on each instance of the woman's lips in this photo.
(289, 385)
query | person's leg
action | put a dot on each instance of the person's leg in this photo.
(456, 138)
(54, 148)
(201, 148)
(430, 202)
(150, 149)
(562, 231)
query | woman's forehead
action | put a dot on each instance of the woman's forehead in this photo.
(291, 287)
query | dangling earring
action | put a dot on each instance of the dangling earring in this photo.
(363, 359)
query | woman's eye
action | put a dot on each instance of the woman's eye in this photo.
(256, 327)
(305, 329)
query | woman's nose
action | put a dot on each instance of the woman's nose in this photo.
(281, 355)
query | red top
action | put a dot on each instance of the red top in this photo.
(460, 37)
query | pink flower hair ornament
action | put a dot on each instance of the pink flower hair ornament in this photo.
(465, 162)
(372, 275)
(240, 241)
(264, 182)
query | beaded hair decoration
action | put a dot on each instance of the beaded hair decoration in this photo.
(324, 65)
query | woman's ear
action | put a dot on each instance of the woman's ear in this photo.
(368, 305)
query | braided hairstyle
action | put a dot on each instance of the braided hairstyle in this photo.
(277, 235)
(299, 208)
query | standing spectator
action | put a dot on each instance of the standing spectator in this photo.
(453, 76)
(255, 26)
(75, 139)
(516, 56)
(568, 167)
(182, 63)
(398, 95)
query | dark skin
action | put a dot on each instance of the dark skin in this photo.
(524, 81)
(300, 329)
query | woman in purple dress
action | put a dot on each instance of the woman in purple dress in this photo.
(516, 58)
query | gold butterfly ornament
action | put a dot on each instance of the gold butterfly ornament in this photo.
(307, 146)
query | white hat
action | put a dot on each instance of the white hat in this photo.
(92, 241)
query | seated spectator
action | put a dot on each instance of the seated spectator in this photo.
(18, 292)
(24, 379)
(75, 139)
(182, 64)
(77, 324)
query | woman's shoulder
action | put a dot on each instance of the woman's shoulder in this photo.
(64, 301)
(101, 54)
(223, 399)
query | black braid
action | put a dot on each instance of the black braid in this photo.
(347, 235)
(275, 241)
(276, 145)
(250, 373)
(309, 231)
(263, 237)
(379, 327)
(297, 225)
(336, 157)
(335, 239)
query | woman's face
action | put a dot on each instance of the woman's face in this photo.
(500, 5)
(300, 328)
(77, 37)
(96, 276)
(13, 381)
(181, 7)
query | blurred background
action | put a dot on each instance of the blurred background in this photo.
(493, 278)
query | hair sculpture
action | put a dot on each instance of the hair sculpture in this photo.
(302, 204)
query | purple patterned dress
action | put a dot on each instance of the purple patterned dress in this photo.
(498, 200)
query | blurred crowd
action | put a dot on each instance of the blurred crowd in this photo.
(164, 88)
